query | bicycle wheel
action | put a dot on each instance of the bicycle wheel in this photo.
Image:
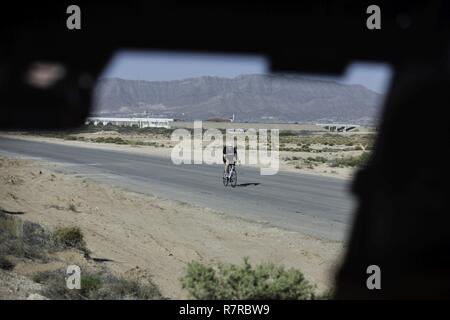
(225, 180)
(233, 178)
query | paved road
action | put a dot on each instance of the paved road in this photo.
(318, 206)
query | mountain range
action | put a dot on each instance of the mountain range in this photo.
(252, 98)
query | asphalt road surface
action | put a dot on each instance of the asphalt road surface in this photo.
(315, 205)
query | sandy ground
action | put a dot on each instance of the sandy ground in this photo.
(155, 236)
(14, 286)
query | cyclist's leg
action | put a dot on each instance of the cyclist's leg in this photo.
(225, 168)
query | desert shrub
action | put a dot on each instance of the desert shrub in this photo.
(149, 130)
(55, 286)
(286, 133)
(23, 239)
(70, 237)
(327, 149)
(306, 148)
(356, 161)
(329, 139)
(119, 288)
(70, 138)
(243, 282)
(317, 159)
(95, 285)
(116, 140)
(99, 139)
(137, 143)
(6, 264)
(90, 283)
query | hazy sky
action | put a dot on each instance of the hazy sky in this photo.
(157, 66)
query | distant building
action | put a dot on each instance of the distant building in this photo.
(130, 122)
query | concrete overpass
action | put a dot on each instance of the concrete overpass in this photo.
(335, 127)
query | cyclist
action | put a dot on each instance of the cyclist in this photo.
(229, 158)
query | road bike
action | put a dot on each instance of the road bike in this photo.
(231, 176)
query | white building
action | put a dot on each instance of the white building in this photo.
(129, 122)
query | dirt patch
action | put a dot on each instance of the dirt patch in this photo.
(148, 236)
